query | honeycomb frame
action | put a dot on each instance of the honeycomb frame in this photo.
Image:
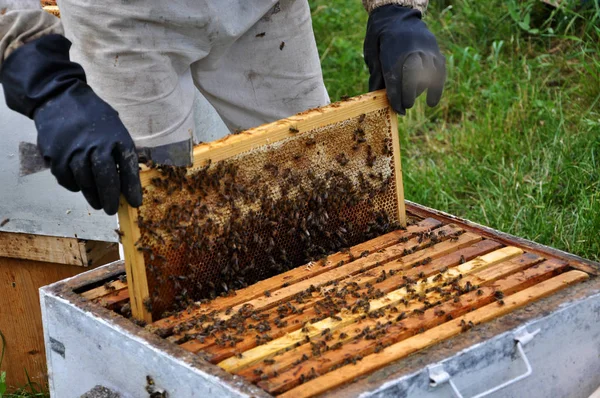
(370, 109)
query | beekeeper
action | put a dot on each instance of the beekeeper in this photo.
(254, 61)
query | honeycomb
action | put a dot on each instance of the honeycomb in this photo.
(209, 230)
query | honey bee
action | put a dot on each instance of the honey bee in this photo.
(342, 159)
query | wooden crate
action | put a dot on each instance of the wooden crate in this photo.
(28, 262)
(320, 326)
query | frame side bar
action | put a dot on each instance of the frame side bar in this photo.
(134, 262)
(398, 167)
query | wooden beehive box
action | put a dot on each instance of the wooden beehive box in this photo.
(323, 325)
(263, 201)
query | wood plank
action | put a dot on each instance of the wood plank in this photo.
(297, 274)
(115, 299)
(105, 290)
(362, 265)
(414, 259)
(432, 336)
(357, 266)
(401, 330)
(339, 273)
(137, 283)
(273, 347)
(591, 267)
(214, 353)
(287, 359)
(20, 315)
(50, 249)
(398, 167)
(516, 264)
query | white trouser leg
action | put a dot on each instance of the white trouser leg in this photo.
(267, 77)
(208, 124)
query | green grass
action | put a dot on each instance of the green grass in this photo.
(515, 142)
(3, 386)
(30, 390)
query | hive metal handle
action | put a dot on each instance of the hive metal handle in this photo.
(438, 376)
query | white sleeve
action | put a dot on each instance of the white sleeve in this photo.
(22, 21)
(420, 5)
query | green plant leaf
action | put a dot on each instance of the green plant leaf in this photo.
(2, 383)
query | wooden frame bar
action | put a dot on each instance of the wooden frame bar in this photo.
(383, 260)
(276, 346)
(469, 253)
(434, 335)
(217, 354)
(137, 282)
(406, 328)
(508, 239)
(274, 283)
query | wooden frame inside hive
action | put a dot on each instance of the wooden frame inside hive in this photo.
(302, 337)
(346, 154)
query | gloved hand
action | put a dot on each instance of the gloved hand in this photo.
(403, 57)
(80, 135)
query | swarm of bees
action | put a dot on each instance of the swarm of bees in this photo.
(220, 227)
(383, 324)
(328, 303)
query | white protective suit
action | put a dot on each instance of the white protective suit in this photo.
(254, 61)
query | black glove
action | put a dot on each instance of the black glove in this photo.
(403, 57)
(80, 135)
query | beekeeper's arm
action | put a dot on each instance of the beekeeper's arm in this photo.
(79, 134)
(402, 54)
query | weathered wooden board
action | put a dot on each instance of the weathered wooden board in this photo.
(20, 314)
(57, 250)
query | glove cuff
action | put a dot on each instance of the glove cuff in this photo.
(37, 72)
(420, 5)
